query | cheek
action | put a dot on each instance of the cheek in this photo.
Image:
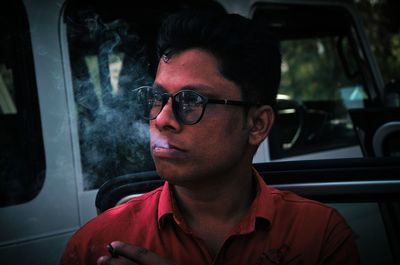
(233, 126)
(224, 136)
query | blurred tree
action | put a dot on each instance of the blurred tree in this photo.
(313, 70)
(382, 22)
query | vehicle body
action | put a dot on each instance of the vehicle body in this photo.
(59, 174)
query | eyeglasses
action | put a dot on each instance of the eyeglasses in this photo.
(188, 106)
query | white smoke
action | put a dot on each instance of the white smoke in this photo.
(113, 139)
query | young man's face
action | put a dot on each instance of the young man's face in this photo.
(218, 143)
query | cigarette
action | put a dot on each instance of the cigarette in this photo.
(111, 250)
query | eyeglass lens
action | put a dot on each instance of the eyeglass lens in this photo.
(188, 106)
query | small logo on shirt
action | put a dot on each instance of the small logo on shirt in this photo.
(278, 256)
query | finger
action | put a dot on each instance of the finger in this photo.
(111, 250)
(138, 254)
(106, 260)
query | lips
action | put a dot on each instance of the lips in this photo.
(167, 150)
(166, 147)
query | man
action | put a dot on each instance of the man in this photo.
(209, 110)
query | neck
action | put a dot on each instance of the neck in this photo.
(225, 200)
(212, 211)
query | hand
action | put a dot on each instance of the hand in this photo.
(132, 255)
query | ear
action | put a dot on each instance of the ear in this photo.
(260, 121)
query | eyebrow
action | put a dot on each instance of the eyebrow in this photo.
(200, 88)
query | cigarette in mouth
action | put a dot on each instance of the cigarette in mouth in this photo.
(111, 250)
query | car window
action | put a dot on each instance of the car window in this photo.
(381, 22)
(324, 74)
(108, 60)
(314, 97)
(21, 145)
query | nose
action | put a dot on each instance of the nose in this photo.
(166, 119)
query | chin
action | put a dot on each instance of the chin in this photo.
(173, 179)
(174, 175)
(168, 172)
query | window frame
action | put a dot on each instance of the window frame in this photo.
(24, 126)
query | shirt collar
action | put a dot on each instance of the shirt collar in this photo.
(261, 208)
(263, 205)
(165, 205)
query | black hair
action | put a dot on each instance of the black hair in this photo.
(247, 53)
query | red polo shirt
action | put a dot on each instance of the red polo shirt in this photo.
(279, 228)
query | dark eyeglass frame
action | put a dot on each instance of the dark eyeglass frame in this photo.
(175, 103)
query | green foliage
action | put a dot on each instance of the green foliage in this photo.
(382, 22)
(312, 69)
